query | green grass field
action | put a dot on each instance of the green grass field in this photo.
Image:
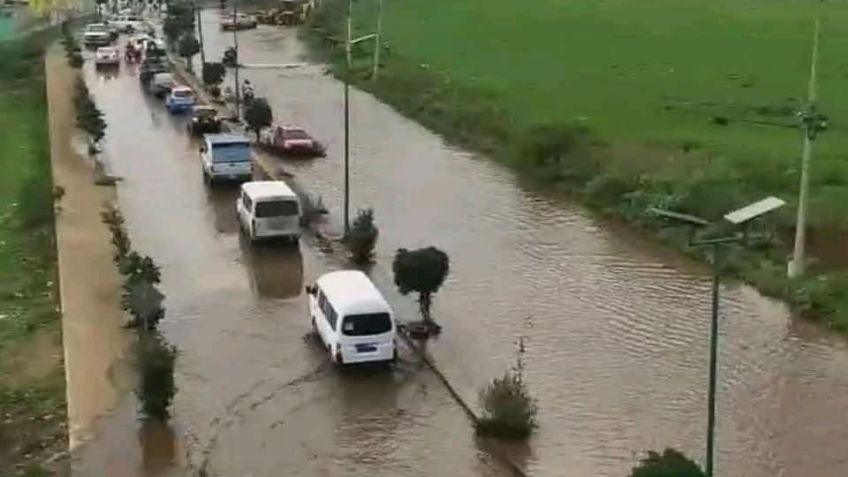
(632, 104)
(29, 322)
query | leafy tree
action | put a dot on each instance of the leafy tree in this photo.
(362, 236)
(258, 115)
(180, 20)
(671, 463)
(422, 271)
(155, 388)
(187, 48)
(213, 73)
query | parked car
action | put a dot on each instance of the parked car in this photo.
(238, 22)
(290, 140)
(268, 209)
(97, 34)
(127, 23)
(204, 120)
(180, 99)
(226, 156)
(107, 56)
(354, 321)
(161, 84)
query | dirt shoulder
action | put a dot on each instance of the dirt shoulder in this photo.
(93, 337)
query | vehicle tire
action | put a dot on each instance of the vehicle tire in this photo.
(252, 233)
(206, 178)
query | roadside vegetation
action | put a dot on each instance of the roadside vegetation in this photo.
(509, 411)
(33, 433)
(671, 463)
(695, 113)
(421, 271)
(362, 237)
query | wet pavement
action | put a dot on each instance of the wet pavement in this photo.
(254, 394)
(615, 327)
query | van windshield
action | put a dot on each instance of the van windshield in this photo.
(368, 324)
(276, 208)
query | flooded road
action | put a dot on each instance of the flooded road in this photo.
(254, 394)
(616, 329)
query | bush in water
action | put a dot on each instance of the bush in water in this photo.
(155, 388)
(422, 271)
(671, 463)
(258, 115)
(362, 237)
(89, 117)
(508, 409)
(113, 218)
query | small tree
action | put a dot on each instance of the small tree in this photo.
(180, 20)
(258, 115)
(671, 463)
(422, 271)
(362, 236)
(213, 75)
(187, 48)
(156, 387)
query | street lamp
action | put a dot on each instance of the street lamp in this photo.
(738, 218)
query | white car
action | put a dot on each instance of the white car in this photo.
(127, 23)
(354, 321)
(97, 34)
(107, 56)
(268, 209)
(162, 84)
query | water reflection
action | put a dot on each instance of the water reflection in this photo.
(275, 268)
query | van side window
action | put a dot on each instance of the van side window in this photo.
(327, 310)
(247, 202)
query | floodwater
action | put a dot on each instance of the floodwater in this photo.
(616, 329)
(255, 395)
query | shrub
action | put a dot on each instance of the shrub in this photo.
(422, 271)
(113, 218)
(508, 409)
(213, 73)
(362, 237)
(155, 388)
(258, 115)
(555, 152)
(671, 463)
(312, 207)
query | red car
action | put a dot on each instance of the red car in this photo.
(290, 140)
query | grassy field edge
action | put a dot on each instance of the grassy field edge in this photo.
(570, 158)
(33, 429)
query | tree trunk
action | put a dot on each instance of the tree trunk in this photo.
(424, 302)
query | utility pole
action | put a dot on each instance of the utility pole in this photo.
(377, 40)
(200, 38)
(238, 59)
(347, 121)
(812, 123)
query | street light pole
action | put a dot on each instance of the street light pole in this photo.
(238, 59)
(347, 121)
(200, 38)
(740, 217)
(796, 265)
(377, 40)
(711, 397)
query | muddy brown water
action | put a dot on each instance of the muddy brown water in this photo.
(616, 329)
(254, 394)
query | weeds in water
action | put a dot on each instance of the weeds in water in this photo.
(362, 237)
(508, 409)
(671, 463)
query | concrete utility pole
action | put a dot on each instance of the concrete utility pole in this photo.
(349, 42)
(377, 40)
(238, 58)
(812, 122)
(200, 38)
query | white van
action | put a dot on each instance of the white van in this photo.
(352, 318)
(268, 209)
(226, 156)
